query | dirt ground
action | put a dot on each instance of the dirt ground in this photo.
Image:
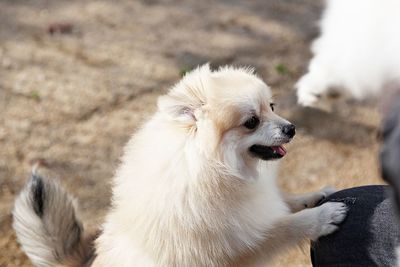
(77, 77)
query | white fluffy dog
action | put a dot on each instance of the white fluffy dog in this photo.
(357, 53)
(196, 186)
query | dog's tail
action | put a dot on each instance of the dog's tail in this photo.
(47, 227)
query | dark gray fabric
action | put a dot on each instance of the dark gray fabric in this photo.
(390, 151)
(367, 237)
(384, 233)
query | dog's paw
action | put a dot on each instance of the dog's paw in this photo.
(327, 190)
(329, 215)
(312, 199)
(322, 194)
(310, 88)
(307, 99)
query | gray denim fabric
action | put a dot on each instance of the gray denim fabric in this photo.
(368, 236)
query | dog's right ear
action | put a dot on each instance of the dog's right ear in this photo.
(177, 110)
(184, 103)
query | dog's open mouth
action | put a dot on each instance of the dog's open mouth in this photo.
(268, 152)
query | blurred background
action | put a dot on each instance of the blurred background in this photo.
(78, 77)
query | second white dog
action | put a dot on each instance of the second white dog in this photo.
(357, 53)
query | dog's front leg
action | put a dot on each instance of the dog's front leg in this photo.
(311, 223)
(309, 200)
(294, 228)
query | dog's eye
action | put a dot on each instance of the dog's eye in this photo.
(252, 123)
(272, 105)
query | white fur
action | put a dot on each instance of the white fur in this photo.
(357, 52)
(189, 193)
(46, 222)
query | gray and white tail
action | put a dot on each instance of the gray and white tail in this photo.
(47, 227)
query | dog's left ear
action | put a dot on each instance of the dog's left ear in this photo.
(177, 110)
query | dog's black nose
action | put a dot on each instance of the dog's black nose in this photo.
(289, 130)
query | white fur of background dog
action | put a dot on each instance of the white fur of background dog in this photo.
(358, 51)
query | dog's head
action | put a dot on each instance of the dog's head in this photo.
(229, 114)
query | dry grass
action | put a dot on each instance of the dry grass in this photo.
(72, 100)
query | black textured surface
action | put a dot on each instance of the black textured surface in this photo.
(367, 237)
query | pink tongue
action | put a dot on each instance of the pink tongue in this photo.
(280, 150)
